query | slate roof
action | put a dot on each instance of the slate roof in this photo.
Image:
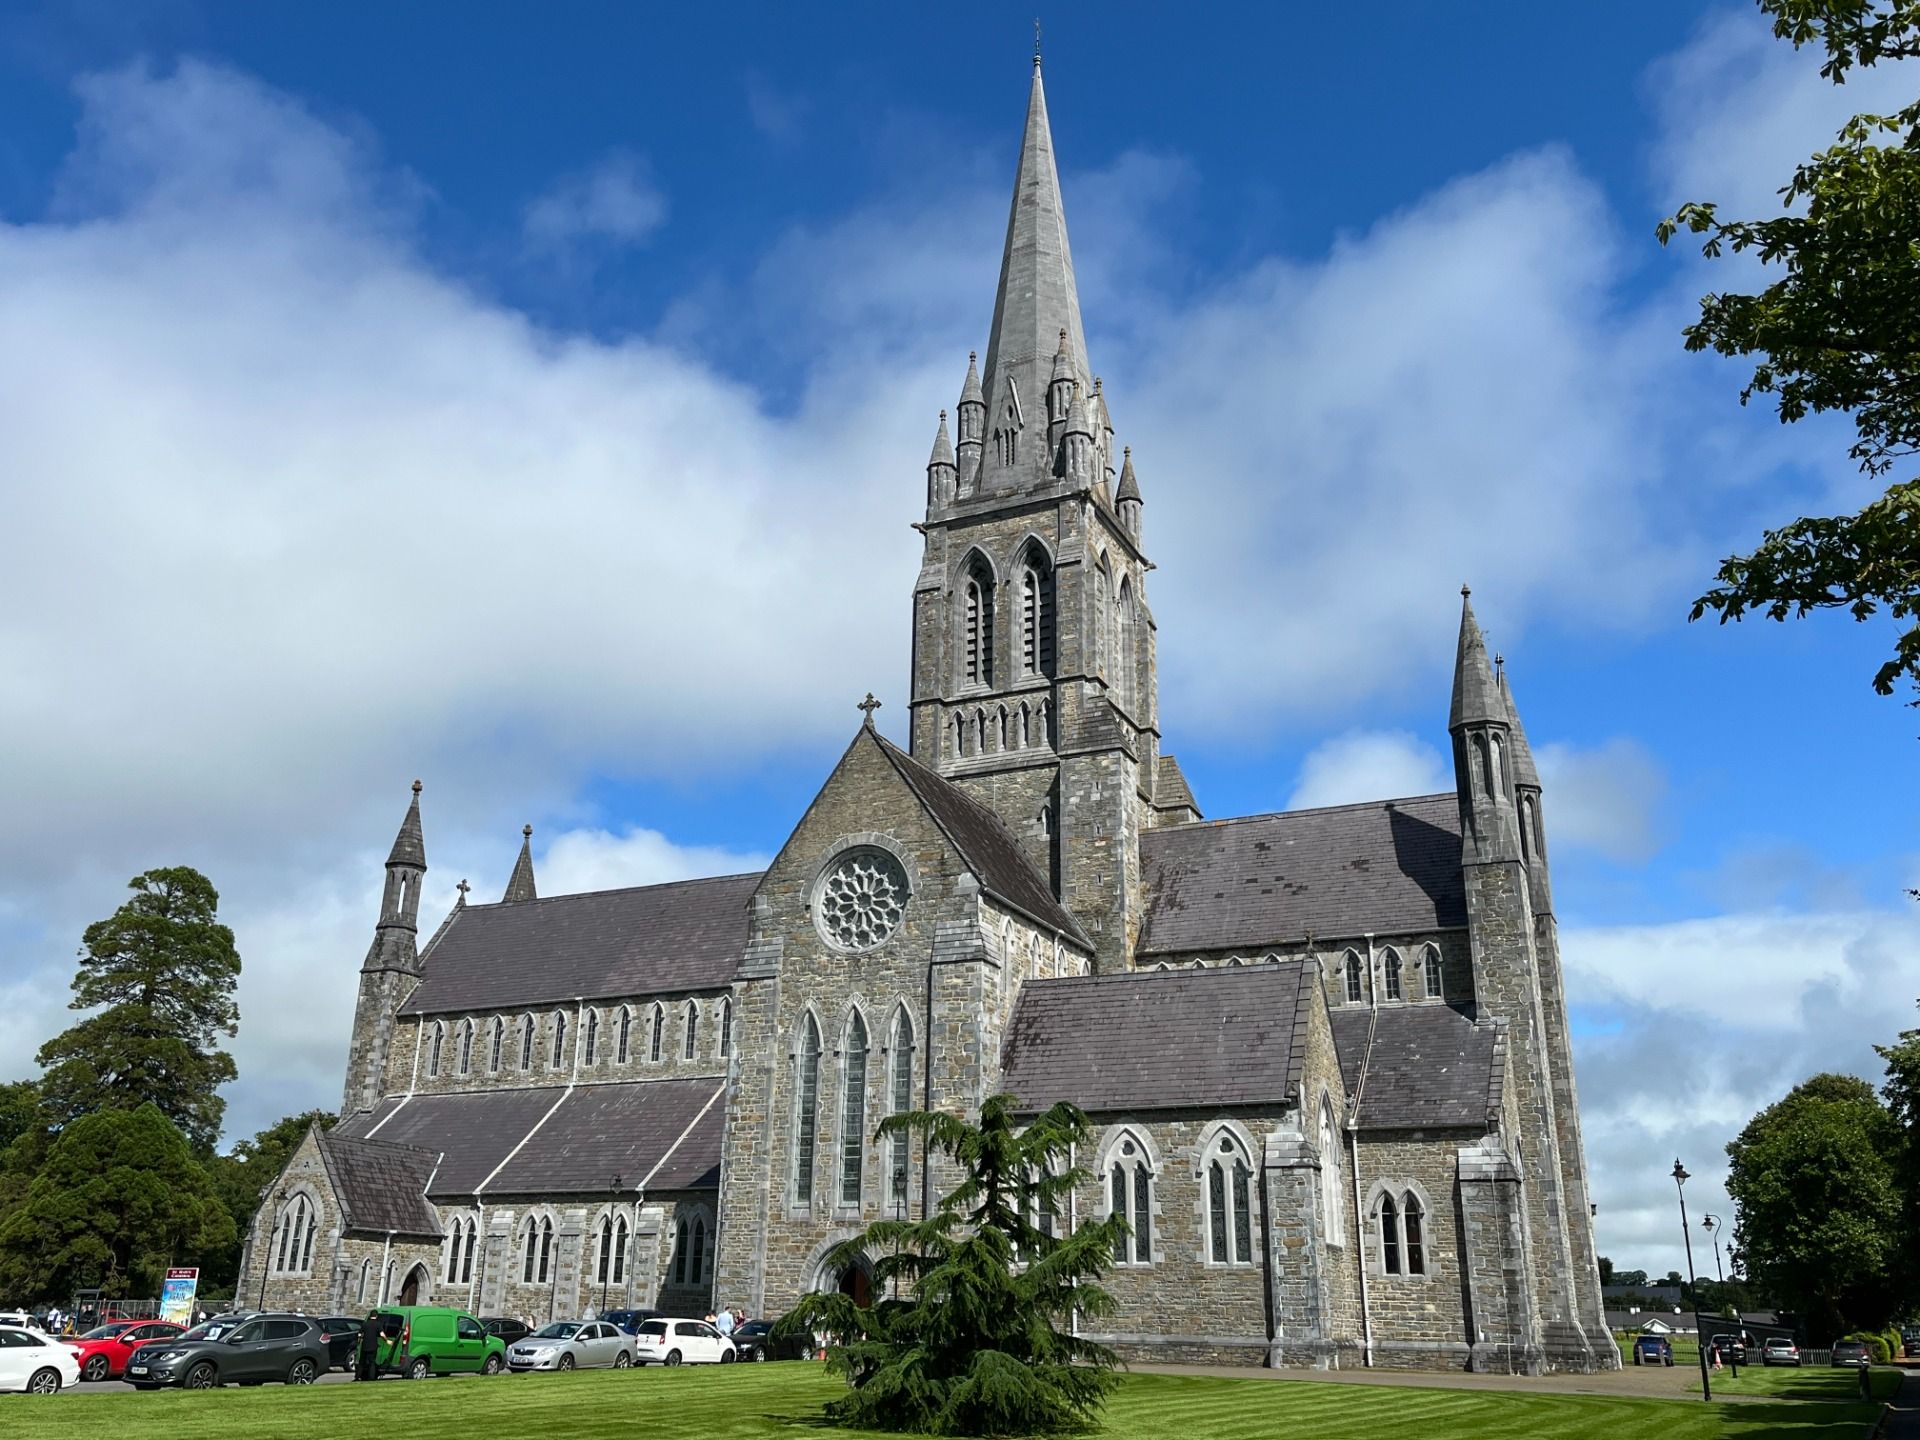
(1431, 1067)
(688, 935)
(1389, 866)
(984, 843)
(1170, 790)
(383, 1186)
(663, 1134)
(1161, 1039)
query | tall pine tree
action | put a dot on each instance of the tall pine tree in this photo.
(980, 1339)
(159, 973)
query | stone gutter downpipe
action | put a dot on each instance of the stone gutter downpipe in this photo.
(1353, 1147)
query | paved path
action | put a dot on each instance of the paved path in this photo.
(1903, 1421)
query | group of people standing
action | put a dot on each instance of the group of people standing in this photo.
(726, 1321)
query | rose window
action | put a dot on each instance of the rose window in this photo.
(862, 899)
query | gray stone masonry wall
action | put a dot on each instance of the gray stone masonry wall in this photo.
(936, 966)
(1495, 1260)
(1300, 1308)
(370, 1048)
(1419, 1321)
(673, 1063)
(1589, 1304)
(1508, 985)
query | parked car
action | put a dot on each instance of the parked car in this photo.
(628, 1320)
(421, 1340)
(104, 1350)
(22, 1320)
(507, 1328)
(682, 1342)
(1731, 1347)
(573, 1344)
(1910, 1342)
(35, 1363)
(1652, 1350)
(249, 1350)
(343, 1340)
(1780, 1351)
(1850, 1355)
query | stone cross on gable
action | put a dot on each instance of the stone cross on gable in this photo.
(867, 707)
(463, 887)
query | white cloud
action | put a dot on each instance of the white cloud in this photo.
(582, 860)
(1606, 799)
(1369, 765)
(1692, 1027)
(615, 201)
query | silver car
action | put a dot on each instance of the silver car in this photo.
(571, 1345)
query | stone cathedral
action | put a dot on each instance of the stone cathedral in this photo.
(1325, 1051)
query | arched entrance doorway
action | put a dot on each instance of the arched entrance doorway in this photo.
(855, 1281)
(411, 1287)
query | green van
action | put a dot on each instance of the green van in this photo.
(421, 1340)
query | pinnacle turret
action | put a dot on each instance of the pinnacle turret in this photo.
(1525, 774)
(941, 468)
(409, 846)
(394, 946)
(1129, 491)
(1476, 699)
(520, 884)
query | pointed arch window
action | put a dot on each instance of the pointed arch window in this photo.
(1123, 643)
(536, 1267)
(1355, 994)
(624, 1050)
(1130, 1196)
(682, 1238)
(1390, 963)
(433, 1050)
(526, 1042)
(1102, 606)
(1229, 1203)
(466, 1047)
(1036, 615)
(612, 1266)
(366, 1278)
(806, 1091)
(976, 623)
(853, 1111)
(559, 1038)
(293, 1245)
(1387, 1216)
(697, 1261)
(496, 1043)
(466, 1257)
(1413, 1220)
(726, 1026)
(1436, 986)
(692, 1043)
(592, 1037)
(657, 1033)
(1333, 1213)
(899, 1101)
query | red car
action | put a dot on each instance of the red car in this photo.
(103, 1352)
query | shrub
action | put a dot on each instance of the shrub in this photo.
(1876, 1344)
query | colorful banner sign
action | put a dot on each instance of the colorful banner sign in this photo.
(176, 1296)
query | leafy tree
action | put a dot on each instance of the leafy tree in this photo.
(1606, 1271)
(242, 1176)
(119, 1198)
(1902, 1094)
(1817, 1203)
(1839, 330)
(979, 1342)
(1630, 1277)
(164, 969)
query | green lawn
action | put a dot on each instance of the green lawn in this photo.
(783, 1400)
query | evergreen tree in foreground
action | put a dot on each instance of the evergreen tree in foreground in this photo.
(978, 1342)
(160, 973)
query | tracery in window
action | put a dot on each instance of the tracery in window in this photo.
(611, 1268)
(1400, 1226)
(862, 898)
(1229, 1179)
(1130, 1196)
(293, 1245)
(536, 1239)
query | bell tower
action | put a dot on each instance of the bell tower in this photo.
(1034, 679)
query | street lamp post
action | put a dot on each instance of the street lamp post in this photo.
(1713, 1225)
(1680, 1178)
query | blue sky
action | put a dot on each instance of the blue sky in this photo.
(539, 408)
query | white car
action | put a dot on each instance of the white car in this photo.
(34, 1362)
(19, 1320)
(682, 1342)
(572, 1344)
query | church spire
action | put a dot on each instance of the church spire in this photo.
(394, 945)
(1036, 301)
(1475, 699)
(520, 884)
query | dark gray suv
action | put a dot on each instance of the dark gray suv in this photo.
(236, 1349)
